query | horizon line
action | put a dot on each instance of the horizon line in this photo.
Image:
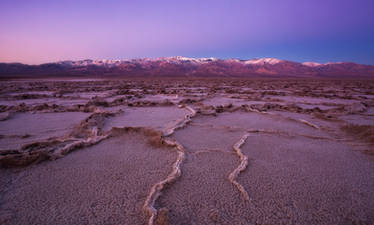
(165, 57)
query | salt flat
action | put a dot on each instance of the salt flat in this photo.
(186, 151)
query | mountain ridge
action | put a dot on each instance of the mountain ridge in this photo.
(184, 66)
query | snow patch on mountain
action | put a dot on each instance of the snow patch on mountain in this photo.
(311, 64)
(263, 61)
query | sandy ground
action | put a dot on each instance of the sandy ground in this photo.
(199, 151)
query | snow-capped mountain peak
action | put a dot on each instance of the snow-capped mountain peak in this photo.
(181, 58)
(311, 64)
(262, 61)
(186, 66)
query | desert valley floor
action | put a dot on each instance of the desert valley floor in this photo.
(186, 151)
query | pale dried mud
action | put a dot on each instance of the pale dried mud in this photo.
(186, 151)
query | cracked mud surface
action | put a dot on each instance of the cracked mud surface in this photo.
(173, 151)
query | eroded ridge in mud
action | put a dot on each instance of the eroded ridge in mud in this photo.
(181, 123)
(309, 123)
(242, 166)
(87, 133)
(156, 190)
(206, 110)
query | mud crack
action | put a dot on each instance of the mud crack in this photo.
(87, 133)
(242, 166)
(181, 123)
(309, 123)
(156, 190)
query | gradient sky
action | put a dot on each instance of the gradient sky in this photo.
(39, 31)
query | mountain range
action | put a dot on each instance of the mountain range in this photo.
(182, 66)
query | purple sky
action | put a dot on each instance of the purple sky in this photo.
(39, 31)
